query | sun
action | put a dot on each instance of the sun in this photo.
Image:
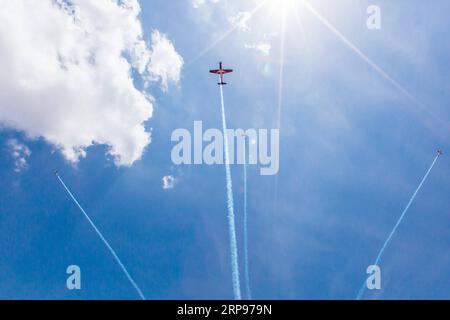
(280, 10)
(281, 6)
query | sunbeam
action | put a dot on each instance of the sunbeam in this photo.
(280, 89)
(223, 36)
(423, 107)
(363, 56)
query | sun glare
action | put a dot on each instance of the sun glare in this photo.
(280, 10)
(281, 6)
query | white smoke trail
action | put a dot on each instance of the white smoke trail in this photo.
(246, 264)
(116, 257)
(230, 204)
(380, 254)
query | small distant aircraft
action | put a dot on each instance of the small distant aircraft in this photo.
(55, 172)
(440, 153)
(221, 72)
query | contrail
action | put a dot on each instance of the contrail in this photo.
(246, 264)
(380, 254)
(103, 239)
(230, 204)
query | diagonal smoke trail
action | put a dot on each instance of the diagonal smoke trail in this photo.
(380, 254)
(103, 239)
(246, 264)
(230, 204)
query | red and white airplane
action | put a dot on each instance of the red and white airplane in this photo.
(221, 72)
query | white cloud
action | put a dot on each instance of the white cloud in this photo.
(199, 3)
(240, 20)
(20, 153)
(263, 47)
(65, 77)
(165, 63)
(168, 182)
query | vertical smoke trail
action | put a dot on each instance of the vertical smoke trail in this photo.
(246, 265)
(103, 239)
(230, 204)
(380, 254)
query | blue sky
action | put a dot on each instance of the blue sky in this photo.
(353, 149)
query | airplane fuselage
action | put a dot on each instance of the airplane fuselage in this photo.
(221, 71)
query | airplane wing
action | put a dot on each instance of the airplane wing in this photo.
(227, 71)
(215, 71)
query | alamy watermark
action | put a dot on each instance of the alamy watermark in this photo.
(249, 146)
(373, 281)
(374, 19)
(73, 282)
